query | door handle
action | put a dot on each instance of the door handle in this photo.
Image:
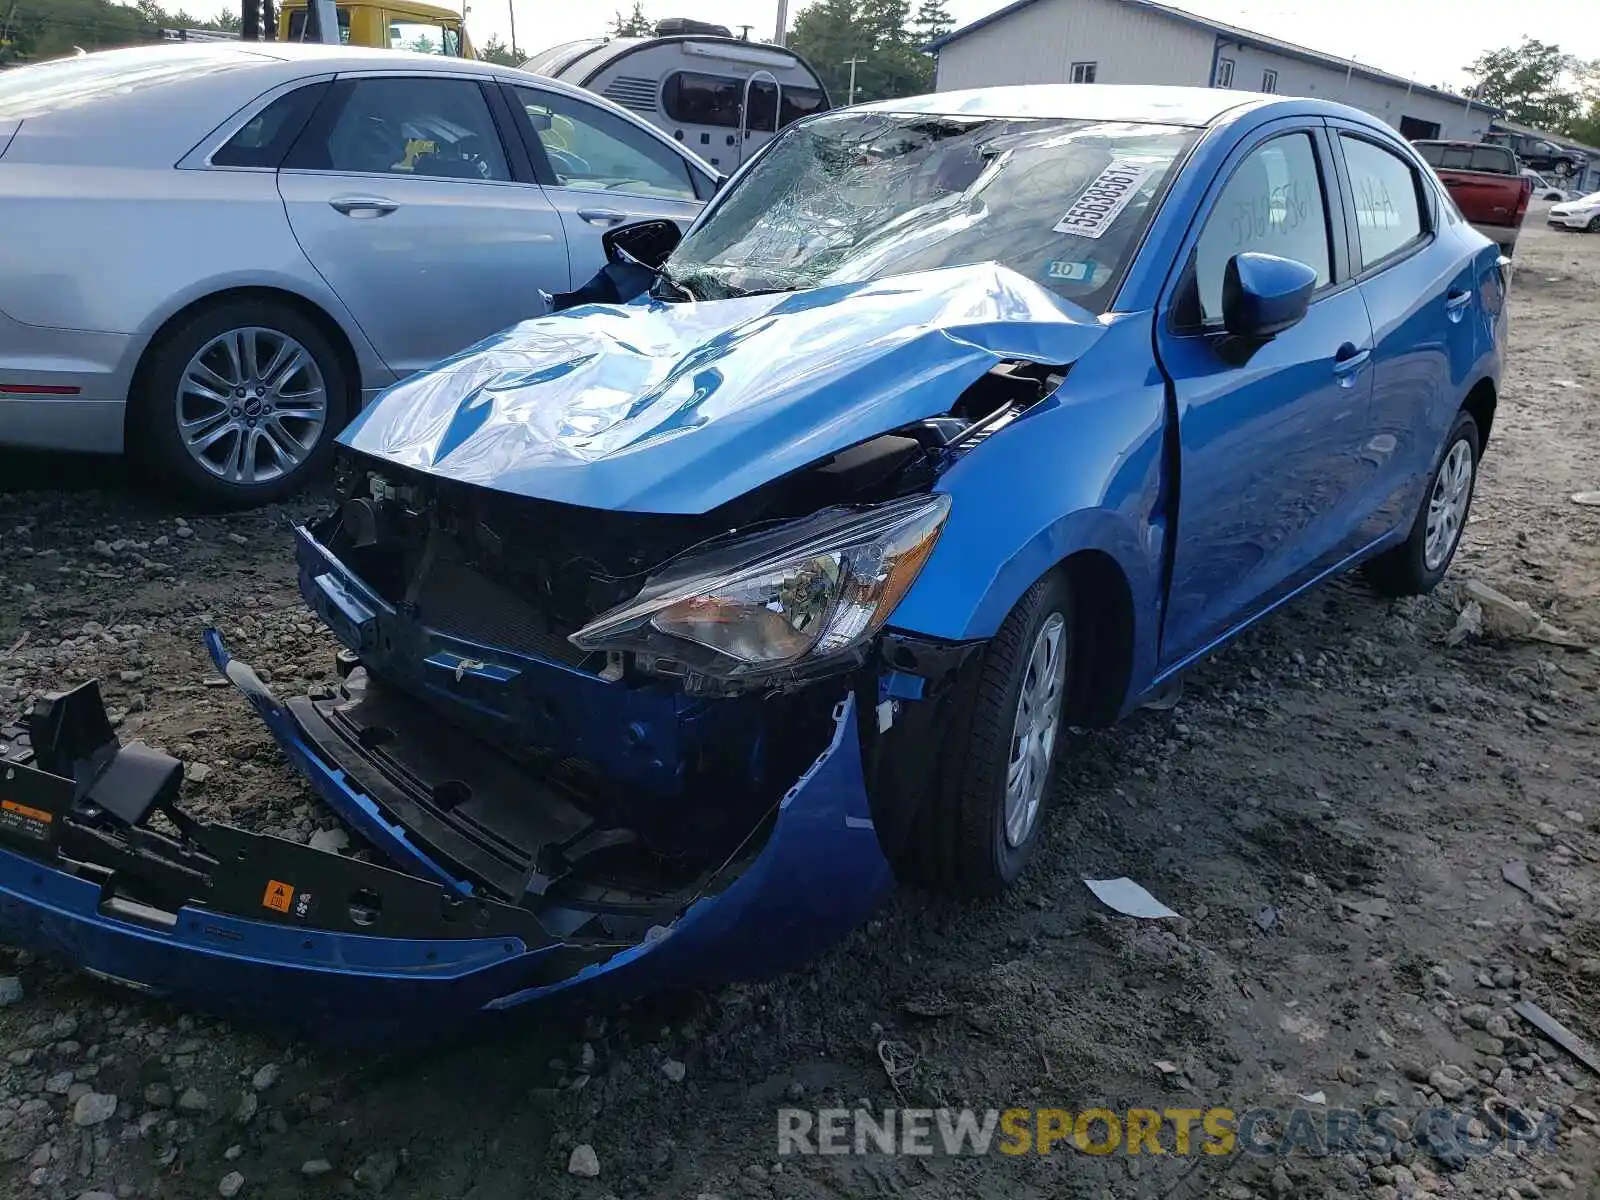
(1455, 304)
(363, 207)
(601, 216)
(1347, 361)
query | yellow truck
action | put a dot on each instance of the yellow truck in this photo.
(390, 25)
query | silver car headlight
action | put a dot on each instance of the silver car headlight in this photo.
(801, 595)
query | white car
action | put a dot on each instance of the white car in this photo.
(1543, 189)
(1582, 213)
(211, 254)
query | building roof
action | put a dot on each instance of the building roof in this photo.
(1233, 33)
(1193, 106)
(1558, 138)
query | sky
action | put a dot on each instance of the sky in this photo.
(1426, 40)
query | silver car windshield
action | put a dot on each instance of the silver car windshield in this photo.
(852, 196)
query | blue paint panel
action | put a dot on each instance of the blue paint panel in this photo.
(679, 408)
(818, 876)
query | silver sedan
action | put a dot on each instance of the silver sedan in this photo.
(215, 253)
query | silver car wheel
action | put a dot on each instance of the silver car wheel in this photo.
(251, 405)
(1033, 731)
(1447, 506)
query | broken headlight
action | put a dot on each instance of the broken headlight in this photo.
(797, 595)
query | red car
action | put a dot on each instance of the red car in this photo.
(1487, 184)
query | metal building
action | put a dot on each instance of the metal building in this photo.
(1139, 41)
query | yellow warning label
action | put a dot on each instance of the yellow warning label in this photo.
(277, 897)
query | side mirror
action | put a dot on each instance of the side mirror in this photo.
(1262, 294)
(642, 243)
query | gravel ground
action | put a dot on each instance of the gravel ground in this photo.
(1336, 806)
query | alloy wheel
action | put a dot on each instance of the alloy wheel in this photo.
(1447, 506)
(1034, 729)
(251, 405)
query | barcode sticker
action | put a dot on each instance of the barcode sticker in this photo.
(1104, 199)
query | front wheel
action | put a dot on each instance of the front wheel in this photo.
(976, 832)
(1416, 566)
(240, 403)
(1593, 226)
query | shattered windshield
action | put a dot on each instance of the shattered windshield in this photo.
(852, 196)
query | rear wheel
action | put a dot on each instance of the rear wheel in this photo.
(1418, 564)
(976, 832)
(240, 403)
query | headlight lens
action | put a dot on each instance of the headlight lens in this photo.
(805, 593)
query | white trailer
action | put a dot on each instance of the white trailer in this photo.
(721, 96)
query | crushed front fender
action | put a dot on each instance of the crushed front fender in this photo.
(186, 914)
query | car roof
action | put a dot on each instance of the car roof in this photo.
(1195, 106)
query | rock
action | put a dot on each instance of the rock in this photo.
(313, 1168)
(584, 1162)
(330, 841)
(1414, 1071)
(59, 1083)
(1504, 977)
(196, 772)
(230, 1185)
(233, 1152)
(158, 1095)
(1497, 1026)
(193, 1100)
(93, 1108)
(378, 1170)
(1476, 1015)
(674, 1070)
(244, 1112)
(268, 1075)
(96, 1196)
(1450, 1089)
(10, 990)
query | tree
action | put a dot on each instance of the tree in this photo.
(932, 22)
(635, 24)
(1586, 128)
(497, 52)
(1531, 83)
(829, 33)
(41, 29)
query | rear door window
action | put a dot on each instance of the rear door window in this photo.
(1385, 197)
(1493, 158)
(419, 126)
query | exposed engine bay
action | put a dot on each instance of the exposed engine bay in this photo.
(527, 574)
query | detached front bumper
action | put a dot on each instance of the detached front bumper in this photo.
(247, 924)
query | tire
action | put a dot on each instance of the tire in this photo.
(1593, 226)
(278, 427)
(1416, 566)
(960, 841)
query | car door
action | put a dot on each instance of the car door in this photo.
(420, 212)
(1417, 275)
(601, 169)
(1268, 432)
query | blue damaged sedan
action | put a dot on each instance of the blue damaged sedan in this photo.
(769, 567)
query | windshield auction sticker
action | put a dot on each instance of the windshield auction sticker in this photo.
(1093, 212)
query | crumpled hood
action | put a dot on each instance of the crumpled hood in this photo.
(679, 408)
